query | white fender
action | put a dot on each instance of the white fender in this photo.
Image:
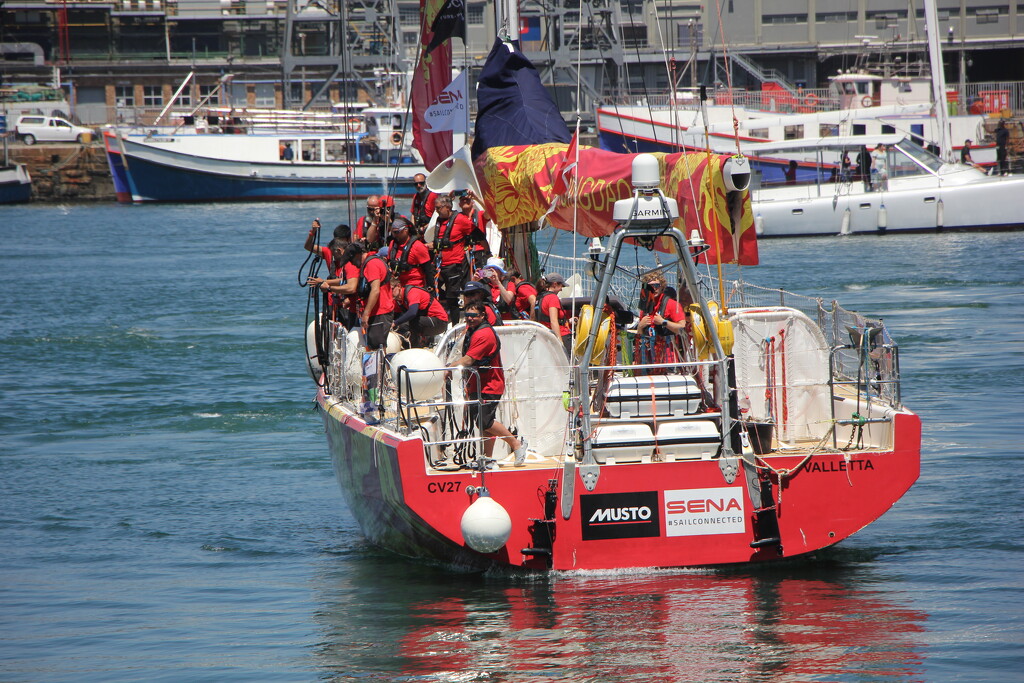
(845, 227)
(486, 526)
(312, 362)
(423, 385)
(883, 217)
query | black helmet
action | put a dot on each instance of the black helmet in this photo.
(474, 286)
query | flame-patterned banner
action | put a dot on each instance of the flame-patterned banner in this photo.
(518, 186)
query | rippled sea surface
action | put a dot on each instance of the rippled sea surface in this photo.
(168, 510)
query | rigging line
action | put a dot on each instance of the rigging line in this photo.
(672, 106)
(643, 81)
(728, 78)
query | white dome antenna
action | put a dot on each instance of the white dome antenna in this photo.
(646, 172)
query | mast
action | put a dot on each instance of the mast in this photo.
(938, 80)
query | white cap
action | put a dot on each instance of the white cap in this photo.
(496, 263)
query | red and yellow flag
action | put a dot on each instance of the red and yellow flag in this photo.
(519, 184)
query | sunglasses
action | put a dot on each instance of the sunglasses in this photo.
(474, 315)
(421, 182)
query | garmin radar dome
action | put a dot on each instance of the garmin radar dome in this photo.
(648, 207)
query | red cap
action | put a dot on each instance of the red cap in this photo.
(387, 200)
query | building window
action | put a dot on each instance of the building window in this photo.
(124, 95)
(794, 132)
(475, 14)
(758, 133)
(264, 95)
(784, 19)
(888, 130)
(827, 130)
(409, 16)
(835, 17)
(206, 91)
(989, 15)
(152, 96)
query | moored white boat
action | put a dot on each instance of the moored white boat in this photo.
(243, 158)
(917, 192)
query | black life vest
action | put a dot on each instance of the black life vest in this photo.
(542, 315)
(419, 208)
(423, 312)
(646, 308)
(487, 362)
(400, 264)
(442, 240)
(510, 308)
(363, 285)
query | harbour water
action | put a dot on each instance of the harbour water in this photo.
(168, 511)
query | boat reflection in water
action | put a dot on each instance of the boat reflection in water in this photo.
(811, 624)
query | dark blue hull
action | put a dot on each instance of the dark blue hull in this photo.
(141, 180)
(15, 192)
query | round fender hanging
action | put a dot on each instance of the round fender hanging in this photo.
(396, 138)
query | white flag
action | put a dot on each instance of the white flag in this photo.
(449, 110)
(455, 173)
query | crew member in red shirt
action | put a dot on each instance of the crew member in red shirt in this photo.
(523, 296)
(332, 257)
(343, 287)
(421, 312)
(371, 219)
(479, 249)
(451, 231)
(481, 349)
(422, 202)
(661, 318)
(378, 306)
(550, 311)
(476, 292)
(408, 256)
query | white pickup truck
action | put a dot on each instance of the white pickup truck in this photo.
(32, 128)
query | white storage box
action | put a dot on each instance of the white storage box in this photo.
(688, 439)
(623, 442)
(660, 395)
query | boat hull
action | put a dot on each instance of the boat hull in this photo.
(670, 514)
(977, 206)
(15, 184)
(150, 173)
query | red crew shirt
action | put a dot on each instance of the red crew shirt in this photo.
(523, 292)
(415, 295)
(459, 232)
(376, 270)
(418, 255)
(483, 344)
(547, 302)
